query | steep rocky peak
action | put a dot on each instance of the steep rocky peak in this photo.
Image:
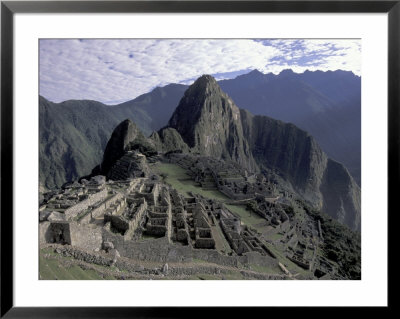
(123, 134)
(209, 122)
(204, 86)
(203, 99)
(205, 81)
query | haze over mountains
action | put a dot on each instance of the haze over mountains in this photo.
(74, 134)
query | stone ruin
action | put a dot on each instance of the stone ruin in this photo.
(226, 176)
(145, 208)
(135, 209)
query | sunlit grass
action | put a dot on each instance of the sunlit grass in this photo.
(178, 178)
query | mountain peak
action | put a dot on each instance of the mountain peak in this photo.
(206, 78)
(203, 93)
(204, 83)
(256, 73)
(286, 72)
(209, 122)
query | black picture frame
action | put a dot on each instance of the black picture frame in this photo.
(9, 8)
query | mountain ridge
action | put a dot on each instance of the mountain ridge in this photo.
(257, 142)
(65, 141)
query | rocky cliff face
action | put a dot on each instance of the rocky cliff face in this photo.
(168, 139)
(122, 137)
(341, 195)
(298, 158)
(209, 122)
(289, 150)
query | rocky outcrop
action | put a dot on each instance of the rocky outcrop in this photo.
(209, 123)
(167, 140)
(122, 137)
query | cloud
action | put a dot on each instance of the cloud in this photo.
(119, 70)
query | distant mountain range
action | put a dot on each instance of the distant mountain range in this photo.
(73, 134)
(207, 122)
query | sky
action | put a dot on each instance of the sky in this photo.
(116, 70)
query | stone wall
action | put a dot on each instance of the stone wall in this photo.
(55, 232)
(214, 256)
(44, 236)
(231, 194)
(255, 258)
(151, 196)
(73, 211)
(98, 258)
(70, 233)
(85, 236)
(160, 250)
(100, 209)
(86, 219)
(118, 222)
(137, 217)
(102, 259)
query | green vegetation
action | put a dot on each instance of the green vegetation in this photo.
(267, 270)
(234, 275)
(276, 236)
(251, 206)
(221, 243)
(81, 215)
(202, 277)
(248, 217)
(145, 237)
(178, 178)
(51, 268)
(73, 134)
(341, 245)
(291, 266)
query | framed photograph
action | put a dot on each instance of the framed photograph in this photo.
(158, 156)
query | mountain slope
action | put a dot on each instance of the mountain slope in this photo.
(125, 133)
(73, 134)
(298, 158)
(325, 104)
(151, 111)
(212, 125)
(69, 144)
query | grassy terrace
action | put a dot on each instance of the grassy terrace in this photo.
(247, 217)
(178, 178)
(52, 269)
(252, 219)
(221, 244)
